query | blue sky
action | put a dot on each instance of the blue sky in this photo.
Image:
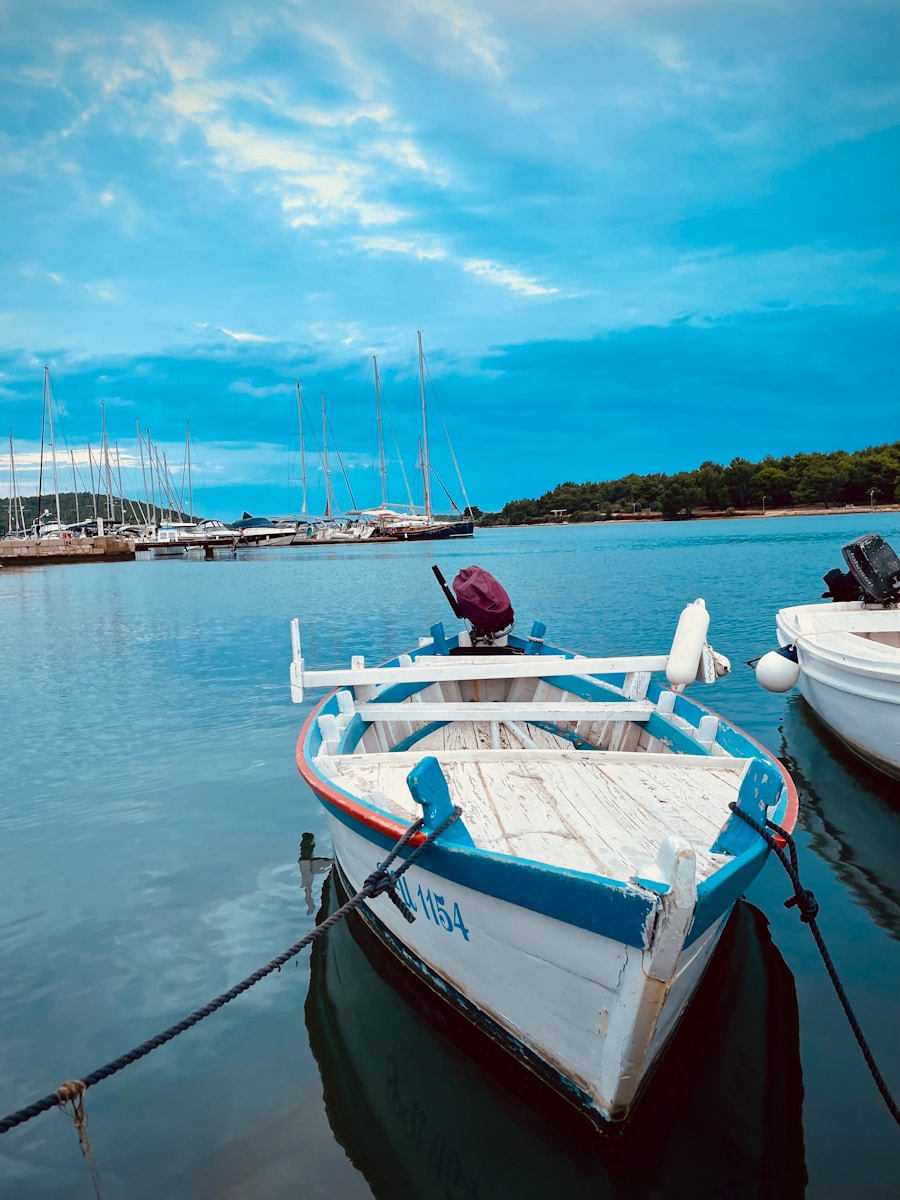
(637, 234)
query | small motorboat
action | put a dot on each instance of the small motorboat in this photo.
(571, 908)
(845, 656)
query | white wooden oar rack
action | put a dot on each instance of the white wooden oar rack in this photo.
(528, 710)
(440, 668)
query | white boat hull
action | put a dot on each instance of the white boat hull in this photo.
(565, 998)
(851, 682)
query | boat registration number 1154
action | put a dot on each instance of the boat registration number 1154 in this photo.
(433, 906)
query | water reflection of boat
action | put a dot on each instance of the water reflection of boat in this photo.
(310, 866)
(420, 1118)
(850, 812)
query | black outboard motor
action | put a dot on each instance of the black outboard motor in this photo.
(841, 586)
(875, 567)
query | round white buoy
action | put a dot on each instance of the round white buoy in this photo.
(777, 671)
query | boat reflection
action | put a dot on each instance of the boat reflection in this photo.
(426, 1105)
(310, 866)
(850, 811)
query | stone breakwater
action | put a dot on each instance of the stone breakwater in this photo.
(26, 552)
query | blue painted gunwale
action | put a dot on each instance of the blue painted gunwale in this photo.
(610, 908)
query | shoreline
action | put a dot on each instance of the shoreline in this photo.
(740, 514)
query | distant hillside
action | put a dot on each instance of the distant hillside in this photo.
(796, 481)
(76, 507)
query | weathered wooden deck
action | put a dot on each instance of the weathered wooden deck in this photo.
(602, 813)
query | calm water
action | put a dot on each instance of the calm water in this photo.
(150, 819)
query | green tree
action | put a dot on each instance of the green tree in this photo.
(681, 496)
(773, 484)
(823, 480)
(738, 474)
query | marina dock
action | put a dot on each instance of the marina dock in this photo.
(26, 552)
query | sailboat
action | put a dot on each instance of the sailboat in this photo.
(45, 526)
(15, 513)
(331, 526)
(416, 526)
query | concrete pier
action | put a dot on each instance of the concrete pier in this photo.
(29, 552)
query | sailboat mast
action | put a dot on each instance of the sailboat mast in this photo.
(423, 467)
(121, 485)
(75, 486)
(105, 465)
(18, 505)
(150, 471)
(145, 515)
(328, 512)
(382, 462)
(305, 509)
(12, 486)
(187, 450)
(168, 484)
(426, 466)
(91, 469)
(52, 442)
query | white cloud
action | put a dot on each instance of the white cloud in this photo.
(325, 185)
(336, 118)
(411, 246)
(404, 153)
(468, 28)
(237, 336)
(245, 387)
(506, 277)
(103, 291)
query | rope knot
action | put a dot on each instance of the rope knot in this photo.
(806, 903)
(73, 1090)
(381, 881)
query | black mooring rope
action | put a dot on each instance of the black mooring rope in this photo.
(380, 881)
(808, 908)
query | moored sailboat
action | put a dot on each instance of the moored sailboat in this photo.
(414, 525)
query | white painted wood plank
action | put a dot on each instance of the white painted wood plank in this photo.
(575, 710)
(822, 618)
(517, 666)
(663, 761)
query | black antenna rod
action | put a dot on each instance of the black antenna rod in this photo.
(445, 589)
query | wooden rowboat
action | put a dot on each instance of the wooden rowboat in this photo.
(573, 907)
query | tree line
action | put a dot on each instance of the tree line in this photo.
(858, 477)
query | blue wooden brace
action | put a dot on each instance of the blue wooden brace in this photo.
(440, 638)
(429, 788)
(536, 638)
(760, 789)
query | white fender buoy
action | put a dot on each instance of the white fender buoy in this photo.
(687, 645)
(778, 670)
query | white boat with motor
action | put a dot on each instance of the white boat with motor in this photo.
(845, 656)
(571, 905)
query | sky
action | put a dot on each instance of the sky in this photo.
(635, 234)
